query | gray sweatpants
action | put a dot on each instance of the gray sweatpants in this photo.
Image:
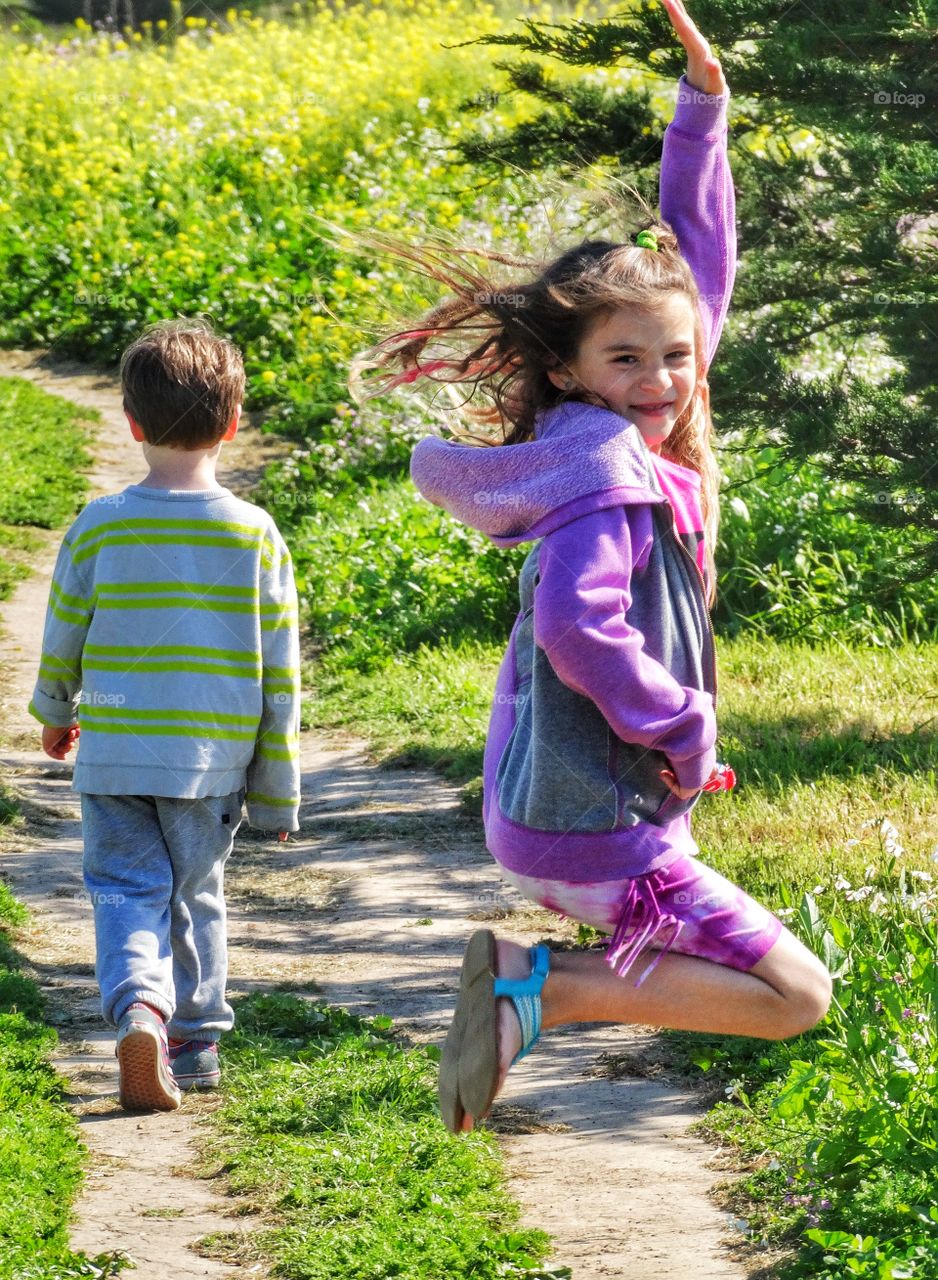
(154, 868)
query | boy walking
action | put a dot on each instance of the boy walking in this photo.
(171, 647)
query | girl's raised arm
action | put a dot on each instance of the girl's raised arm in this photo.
(696, 193)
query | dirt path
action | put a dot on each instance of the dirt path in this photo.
(369, 907)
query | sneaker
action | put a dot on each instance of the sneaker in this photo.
(195, 1063)
(146, 1081)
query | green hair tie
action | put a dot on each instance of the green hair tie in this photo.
(647, 240)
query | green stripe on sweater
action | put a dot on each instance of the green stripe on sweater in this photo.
(151, 713)
(162, 540)
(255, 797)
(155, 522)
(69, 601)
(175, 588)
(248, 670)
(71, 616)
(162, 730)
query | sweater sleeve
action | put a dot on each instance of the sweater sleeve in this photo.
(697, 198)
(57, 693)
(580, 608)
(273, 776)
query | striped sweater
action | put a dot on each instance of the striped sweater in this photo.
(171, 638)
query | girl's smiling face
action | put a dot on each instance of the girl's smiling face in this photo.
(632, 362)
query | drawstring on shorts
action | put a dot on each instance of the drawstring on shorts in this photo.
(640, 923)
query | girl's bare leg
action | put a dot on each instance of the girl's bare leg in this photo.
(788, 991)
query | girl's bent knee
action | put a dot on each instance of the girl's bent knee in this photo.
(808, 1003)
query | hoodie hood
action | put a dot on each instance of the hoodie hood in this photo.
(583, 458)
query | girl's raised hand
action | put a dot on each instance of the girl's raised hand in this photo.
(703, 69)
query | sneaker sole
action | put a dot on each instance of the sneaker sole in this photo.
(141, 1084)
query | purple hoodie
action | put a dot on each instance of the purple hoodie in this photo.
(609, 675)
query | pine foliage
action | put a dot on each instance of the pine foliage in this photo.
(838, 244)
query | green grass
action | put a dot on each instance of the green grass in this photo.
(42, 461)
(40, 1159)
(331, 1129)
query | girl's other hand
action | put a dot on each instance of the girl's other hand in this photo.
(703, 69)
(58, 742)
(683, 793)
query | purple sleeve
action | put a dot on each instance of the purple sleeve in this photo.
(697, 198)
(579, 621)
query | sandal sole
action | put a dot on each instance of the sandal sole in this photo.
(198, 1082)
(141, 1086)
(469, 1062)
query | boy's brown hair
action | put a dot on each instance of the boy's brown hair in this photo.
(182, 383)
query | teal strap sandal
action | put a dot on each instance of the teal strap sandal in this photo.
(469, 1061)
(525, 996)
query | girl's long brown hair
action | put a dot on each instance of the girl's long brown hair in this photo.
(495, 339)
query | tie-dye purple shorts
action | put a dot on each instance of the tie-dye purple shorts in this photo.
(686, 907)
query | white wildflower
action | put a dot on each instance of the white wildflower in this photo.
(902, 1062)
(857, 895)
(890, 835)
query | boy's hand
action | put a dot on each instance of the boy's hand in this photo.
(703, 69)
(58, 742)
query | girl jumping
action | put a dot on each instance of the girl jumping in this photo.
(603, 726)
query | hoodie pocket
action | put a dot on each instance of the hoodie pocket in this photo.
(642, 794)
